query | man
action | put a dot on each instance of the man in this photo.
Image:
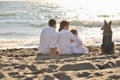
(48, 39)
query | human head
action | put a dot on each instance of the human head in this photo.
(64, 25)
(74, 32)
(52, 23)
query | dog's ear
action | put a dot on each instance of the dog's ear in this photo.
(102, 28)
(105, 22)
(110, 22)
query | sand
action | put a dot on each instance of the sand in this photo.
(29, 64)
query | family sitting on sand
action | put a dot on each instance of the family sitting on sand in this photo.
(65, 41)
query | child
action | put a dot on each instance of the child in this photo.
(76, 44)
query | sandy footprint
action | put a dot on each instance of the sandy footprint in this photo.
(76, 67)
(62, 76)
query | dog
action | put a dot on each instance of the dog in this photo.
(107, 46)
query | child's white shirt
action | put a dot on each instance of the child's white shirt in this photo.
(77, 47)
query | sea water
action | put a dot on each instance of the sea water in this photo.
(22, 21)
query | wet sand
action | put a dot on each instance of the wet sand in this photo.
(29, 64)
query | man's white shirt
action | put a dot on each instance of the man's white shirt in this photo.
(48, 39)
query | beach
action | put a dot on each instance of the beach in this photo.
(29, 64)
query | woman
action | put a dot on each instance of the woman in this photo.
(64, 38)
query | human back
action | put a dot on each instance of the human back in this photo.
(64, 42)
(48, 38)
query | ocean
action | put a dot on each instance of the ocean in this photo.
(22, 21)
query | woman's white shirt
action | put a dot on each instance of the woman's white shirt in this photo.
(64, 41)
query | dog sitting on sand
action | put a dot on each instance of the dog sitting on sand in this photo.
(107, 44)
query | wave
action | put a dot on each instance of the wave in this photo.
(42, 23)
(18, 43)
(115, 23)
(12, 33)
(34, 23)
(7, 14)
(88, 40)
(86, 23)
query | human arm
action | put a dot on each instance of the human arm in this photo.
(79, 41)
(53, 44)
(76, 39)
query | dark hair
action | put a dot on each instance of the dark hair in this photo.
(63, 24)
(52, 22)
(73, 31)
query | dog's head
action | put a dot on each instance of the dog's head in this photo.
(107, 26)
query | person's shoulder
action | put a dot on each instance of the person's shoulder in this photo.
(59, 33)
(45, 28)
(52, 30)
(71, 33)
